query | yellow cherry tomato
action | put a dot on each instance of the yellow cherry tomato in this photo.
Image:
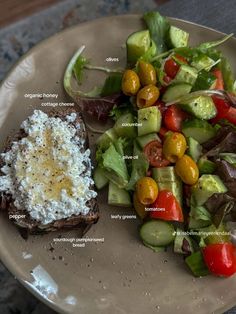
(147, 96)
(174, 146)
(187, 169)
(147, 73)
(147, 190)
(139, 207)
(130, 83)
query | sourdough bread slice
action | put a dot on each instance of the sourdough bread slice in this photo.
(27, 225)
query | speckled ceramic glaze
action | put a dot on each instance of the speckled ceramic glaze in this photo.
(116, 274)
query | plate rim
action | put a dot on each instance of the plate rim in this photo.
(6, 77)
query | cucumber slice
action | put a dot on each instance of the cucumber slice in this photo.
(125, 126)
(205, 80)
(194, 149)
(186, 74)
(177, 37)
(167, 179)
(179, 244)
(200, 130)
(157, 233)
(155, 249)
(206, 166)
(145, 139)
(203, 62)
(207, 185)
(175, 91)
(165, 174)
(137, 44)
(99, 178)
(118, 196)
(201, 107)
(149, 120)
(106, 139)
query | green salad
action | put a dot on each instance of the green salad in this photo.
(171, 153)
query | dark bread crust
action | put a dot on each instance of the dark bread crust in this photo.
(28, 225)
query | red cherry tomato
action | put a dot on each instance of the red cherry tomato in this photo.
(220, 259)
(231, 115)
(219, 77)
(224, 111)
(153, 151)
(167, 207)
(174, 118)
(171, 67)
(162, 132)
(181, 58)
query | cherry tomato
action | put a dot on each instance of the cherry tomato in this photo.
(181, 58)
(174, 117)
(171, 67)
(162, 132)
(220, 258)
(219, 77)
(224, 111)
(153, 151)
(231, 115)
(167, 207)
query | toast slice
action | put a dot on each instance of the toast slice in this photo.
(22, 217)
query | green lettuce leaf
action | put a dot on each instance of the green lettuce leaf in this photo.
(213, 44)
(79, 67)
(228, 76)
(112, 85)
(117, 111)
(115, 168)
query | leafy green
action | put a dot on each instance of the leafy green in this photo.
(213, 54)
(139, 167)
(227, 73)
(200, 213)
(213, 44)
(183, 244)
(99, 153)
(158, 27)
(117, 111)
(120, 145)
(205, 80)
(112, 85)
(196, 264)
(150, 53)
(199, 217)
(229, 157)
(115, 168)
(78, 68)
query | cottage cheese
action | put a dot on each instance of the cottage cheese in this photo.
(46, 172)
